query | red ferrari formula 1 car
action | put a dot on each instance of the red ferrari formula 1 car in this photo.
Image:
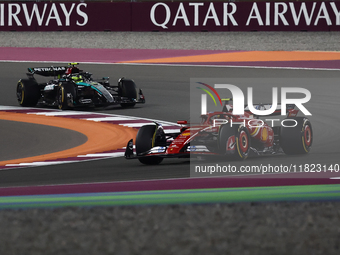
(225, 134)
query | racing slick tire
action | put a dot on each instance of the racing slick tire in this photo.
(144, 143)
(298, 139)
(127, 88)
(234, 142)
(63, 100)
(28, 92)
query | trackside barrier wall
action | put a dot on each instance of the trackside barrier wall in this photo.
(170, 16)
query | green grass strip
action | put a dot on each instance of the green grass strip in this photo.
(188, 196)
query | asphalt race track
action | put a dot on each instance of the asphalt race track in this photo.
(33, 139)
(167, 98)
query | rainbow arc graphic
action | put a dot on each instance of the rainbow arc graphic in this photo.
(209, 93)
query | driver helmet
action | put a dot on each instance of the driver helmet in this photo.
(228, 105)
(77, 78)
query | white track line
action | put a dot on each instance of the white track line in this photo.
(177, 65)
(63, 113)
(99, 119)
(42, 163)
(111, 155)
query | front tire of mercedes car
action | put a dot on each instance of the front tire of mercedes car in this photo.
(234, 142)
(296, 139)
(65, 96)
(127, 88)
(28, 92)
(144, 143)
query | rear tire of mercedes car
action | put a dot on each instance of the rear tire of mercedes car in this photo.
(296, 140)
(234, 142)
(144, 143)
(28, 92)
(64, 102)
(127, 88)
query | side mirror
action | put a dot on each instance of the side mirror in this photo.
(182, 122)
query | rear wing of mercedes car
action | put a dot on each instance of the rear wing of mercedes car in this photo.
(47, 71)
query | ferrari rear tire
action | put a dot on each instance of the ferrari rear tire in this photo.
(127, 88)
(65, 96)
(28, 92)
(234, 142)
(298, 139)
(144, 143)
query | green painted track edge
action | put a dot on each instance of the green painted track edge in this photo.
(330, 192)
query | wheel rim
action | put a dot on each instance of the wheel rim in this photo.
(20, 93)
(243, 141)
(60, 97)
(308, 136)
(230, 145)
